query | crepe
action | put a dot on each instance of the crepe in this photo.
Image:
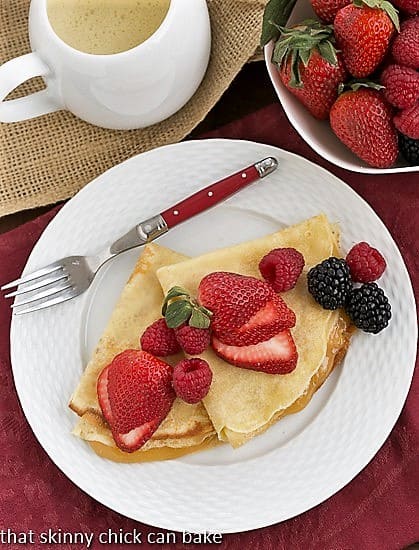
(242, 403)
(139, 305)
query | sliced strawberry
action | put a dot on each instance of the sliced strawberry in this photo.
(272, 318)
(102, 394)
(275, 356)
(135, 394)
(232, 298)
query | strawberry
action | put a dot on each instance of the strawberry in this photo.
(135, 394)
(401, 86)
(409, 6)
(405, 48)
(363, 32)
(275, 356)
(327, 9)
(407, 121)
(245, 310)
(309, 66)
(361, 119)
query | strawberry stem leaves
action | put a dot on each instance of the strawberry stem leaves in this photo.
(296, 44)
(276, 13)
(178, 308)
(384, 5)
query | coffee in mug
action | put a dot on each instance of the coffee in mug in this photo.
(106, 26)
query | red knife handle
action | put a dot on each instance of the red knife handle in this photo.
(217, 192)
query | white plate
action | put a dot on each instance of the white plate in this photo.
(300, 461)
(317, 133)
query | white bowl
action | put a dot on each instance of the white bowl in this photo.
(316, 133)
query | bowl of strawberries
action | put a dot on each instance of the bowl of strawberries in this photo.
(347, 75)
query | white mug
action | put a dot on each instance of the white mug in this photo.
(131, 89)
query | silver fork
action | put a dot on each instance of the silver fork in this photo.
(71, 276)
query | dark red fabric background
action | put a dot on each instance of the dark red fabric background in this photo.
(378, 510)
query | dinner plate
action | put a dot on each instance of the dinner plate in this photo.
(300, 461)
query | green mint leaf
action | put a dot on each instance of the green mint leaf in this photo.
(174, 292)
(277, 12)
(177, 313)
(199, 319)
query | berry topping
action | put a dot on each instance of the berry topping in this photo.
(135, 394)
(281, 268)
(267, 322)
(192, 380)
(329, 283)
(159, 339)
(232, 298)
(245, 309)
(309, 65)
(365, 263)
(193, 340)
(405, 48)
(408, 6)
(327, 9)
(407, 121)
(362, 119)
(368, 308)
(275, 356)
(409, 148)
(401, 86)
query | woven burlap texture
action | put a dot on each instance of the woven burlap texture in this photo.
(48, 159)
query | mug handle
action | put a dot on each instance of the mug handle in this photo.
(16, 72)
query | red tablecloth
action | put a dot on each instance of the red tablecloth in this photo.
(378, 510)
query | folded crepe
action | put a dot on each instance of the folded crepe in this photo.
(242, 403)
(187, 427)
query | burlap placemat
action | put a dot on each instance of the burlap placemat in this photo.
(50, 158)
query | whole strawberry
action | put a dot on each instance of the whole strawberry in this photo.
(408, 6)
(401, 86)
(363, 32)
(361, 119)
(407, 122)
(326, 10)
(309, 66)
(405, 48)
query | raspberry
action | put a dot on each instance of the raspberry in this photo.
(281, 268)
(405, 48)
(193, 340)
(158, 339)
(409, 148)
(192, 380)
(401, 86)
(365, 263)
(407, 122)
(330, 283)
(409, 6)
(368, 308)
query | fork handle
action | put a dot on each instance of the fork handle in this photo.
(217, 192)
(200, 201)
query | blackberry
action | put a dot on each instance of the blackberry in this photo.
(329, 283)
(409, 148)
(369, 308)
